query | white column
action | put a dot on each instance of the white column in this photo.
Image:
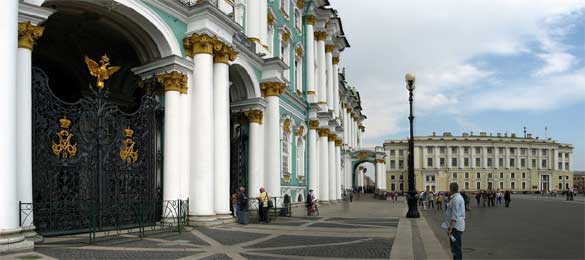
(378, 170)
(355, 134)
(321, 69)
(271, 92)
(255, 152)
(338, 173)
(9, 226)
(336, 86)
(253, 20)
(416, 158)
(201, 190)
(172, 143)
(384, 185)
(221, 123)
(27, 34)
(332, 167)
(329, 69)
(310, 59)
(185, 130)
(485, 157)
(263, 24)
(449, 157)
(323, 165)
(313, 167)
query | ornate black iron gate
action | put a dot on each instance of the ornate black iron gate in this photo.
(238, 150)
(93, 164)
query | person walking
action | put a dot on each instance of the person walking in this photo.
(484, 198)
(466, 200)
(263, 205)
(242, 205)
(499, 196)
(351, 196)
(478, 197)
(234, 202)
(423, 199)
(431, 199)
(455, 221)
(440, 201)
(507, 198)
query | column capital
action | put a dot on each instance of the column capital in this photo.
(254, 116)
(310, 19)
(199, 43)
(323, 132)
(173, 81)
(223, 53)
(338, 142)
(28, 34)
(270, 18)
(380, 161)
(335, 60)
(329, 48)
(313, 124)
(271, 88)
(320, 35)
(332, 137)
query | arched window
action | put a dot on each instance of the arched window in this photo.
(299, 70)
(285, 49)
(300, 157)
(286, 149)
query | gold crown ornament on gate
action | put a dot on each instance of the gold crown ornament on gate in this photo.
(101, 72)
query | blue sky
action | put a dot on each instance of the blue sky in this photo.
(493, 66)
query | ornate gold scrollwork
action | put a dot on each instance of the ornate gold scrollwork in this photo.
(64, 148)
(127, 153)
(101, 72)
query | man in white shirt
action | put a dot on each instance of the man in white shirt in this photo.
(455, 220)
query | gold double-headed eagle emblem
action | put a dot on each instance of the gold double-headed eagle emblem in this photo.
(101, 72)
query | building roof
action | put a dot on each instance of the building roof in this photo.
(483, 136)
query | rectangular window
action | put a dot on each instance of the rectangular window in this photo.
(429, 162)
(567, 177)
(490, 175)
(454, 175)
(392, 152)
(400, 164)
(442, 162)
(512, 185)
(501, 185)
(299, 74)
(560, 155)
(512, 162)
(467, 185)
(566, 166)
(560, 166)
(512, 175)
(465, 150)
(543, 163)
(392, 164)
(501, 150)
(477, 162)
(478, 150)
(567, 155)
(400, 152)
(466, 175)
(489, 150)
(478, 185)
(454, 162)
(523, 163)
(454, 150)
(534, 151)
(500, 162)
(512, 150)
(466, 162)
(489, 162)
(523, 175)
(392, 177)
(501, 175)
(544, 151)
(478, 175)
(533, 163)
(393, 187)
(522, 151)
(442, 150)
(430, 149)
(285, 157)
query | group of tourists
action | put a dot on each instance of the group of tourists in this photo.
(393, 196)
(239, 201)
(492, 198)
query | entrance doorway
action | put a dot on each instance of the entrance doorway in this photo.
(545, 183)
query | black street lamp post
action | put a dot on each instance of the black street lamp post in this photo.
(411, 197)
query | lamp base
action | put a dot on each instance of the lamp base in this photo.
(412, 207)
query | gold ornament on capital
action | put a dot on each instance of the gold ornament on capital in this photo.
(313, 124)
(173, 81)
(320, 36)
(271, 88)
(310, 19)
(323, 132)
(329, 48)
(223, 53)
(254, 116)
(28, 34)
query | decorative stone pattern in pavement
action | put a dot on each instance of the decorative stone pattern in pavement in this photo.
(76, 254)
(367, 248)
(217, 257)
(285, 238)
(226, 237)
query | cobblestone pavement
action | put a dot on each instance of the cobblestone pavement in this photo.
(360, 230)
(532, 228)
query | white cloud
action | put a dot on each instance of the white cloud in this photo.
(436, 40)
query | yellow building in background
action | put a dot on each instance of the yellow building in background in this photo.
(480, 162)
